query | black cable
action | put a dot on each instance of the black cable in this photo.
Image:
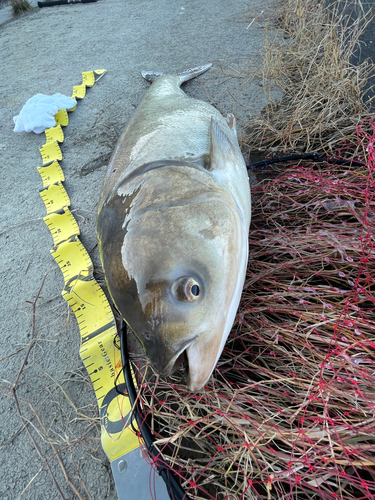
(175, 491)
(306, 156)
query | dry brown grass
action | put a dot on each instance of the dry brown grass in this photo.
(20, 6)
(322, 89)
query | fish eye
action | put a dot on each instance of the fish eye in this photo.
(191, 290)
(186, 289)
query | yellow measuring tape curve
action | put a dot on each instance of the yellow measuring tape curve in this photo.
(91, 308)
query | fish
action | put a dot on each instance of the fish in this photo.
(173, 226)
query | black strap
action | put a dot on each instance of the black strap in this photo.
(174, 489)
(306, 156)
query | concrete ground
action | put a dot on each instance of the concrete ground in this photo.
(45, 51)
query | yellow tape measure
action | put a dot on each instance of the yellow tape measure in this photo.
(79, 91)
(62, 117)
(51, 174)
(87, 300)
(50, 151)
(62, 225)
(88, 77)
(55, 197)
(73, 260)
(54, 134)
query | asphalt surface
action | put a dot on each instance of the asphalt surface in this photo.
(365, 49)
(45, 51)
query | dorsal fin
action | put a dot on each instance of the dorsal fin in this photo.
(221, 148)
(231, 120)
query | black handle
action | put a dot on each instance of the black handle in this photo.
(51, 3)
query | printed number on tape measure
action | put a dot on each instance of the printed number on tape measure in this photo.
(54, 134)
(79, 91)
(50, 152)
(91, 307)
(97, 356)
(73, 260)
(98, 329)
(88, 78)
(51, 174)
(116, 416)
(62, 118)
(55, 198)
(62, 225)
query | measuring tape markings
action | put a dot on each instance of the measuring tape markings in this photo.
(62, 118)
(51, 174)
(90, 306)
(84, 295)
(50, 151)
(55, 197)
(73, 260)
(54, 134)
(88, 77)
(79, 91)
(62, 225)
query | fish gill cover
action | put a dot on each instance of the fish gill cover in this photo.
(290, 410)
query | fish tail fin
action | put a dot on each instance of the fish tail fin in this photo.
(189, 74)
(184, 76)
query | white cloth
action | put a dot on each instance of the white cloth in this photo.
(39, 112)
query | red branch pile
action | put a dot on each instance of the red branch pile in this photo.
(290, 410)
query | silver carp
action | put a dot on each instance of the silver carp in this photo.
(173, 227)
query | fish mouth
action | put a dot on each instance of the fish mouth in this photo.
(180, 360)
(197, 358)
